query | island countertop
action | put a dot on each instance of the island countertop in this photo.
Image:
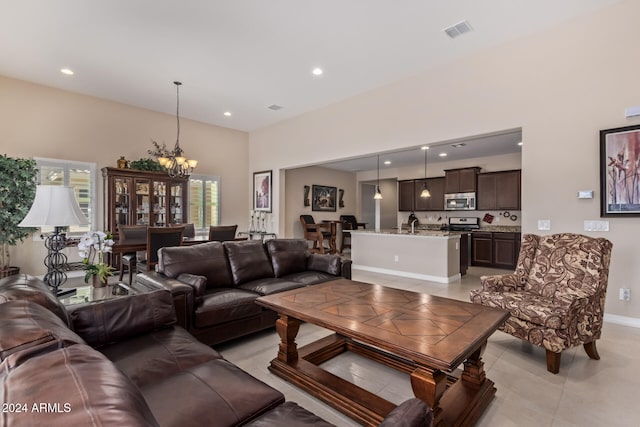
(426, 254)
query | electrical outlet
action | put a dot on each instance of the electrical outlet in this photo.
(625, 294)
(544, 224)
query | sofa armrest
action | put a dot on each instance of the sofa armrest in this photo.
(116, 319)
(502, 283)
(183, 293)
(330, 264)
(410, 413)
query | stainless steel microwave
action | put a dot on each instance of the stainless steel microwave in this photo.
(460, 202)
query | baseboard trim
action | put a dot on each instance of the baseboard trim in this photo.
(438, 279)
(622, 320)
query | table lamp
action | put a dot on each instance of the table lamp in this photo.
(54, 206)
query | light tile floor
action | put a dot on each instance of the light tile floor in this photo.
(585, 393)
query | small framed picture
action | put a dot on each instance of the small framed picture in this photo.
(262, 195)
(620, 171)
(323, 198)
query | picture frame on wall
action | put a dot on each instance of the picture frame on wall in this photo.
(262, 191)
(323, 198)
(620, 171)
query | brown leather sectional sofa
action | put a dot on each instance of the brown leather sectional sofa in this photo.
(123, 362)
(215, 284)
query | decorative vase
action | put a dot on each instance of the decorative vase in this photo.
(122, 163)
(97, 282)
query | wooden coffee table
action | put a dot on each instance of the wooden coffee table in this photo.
(426, 336)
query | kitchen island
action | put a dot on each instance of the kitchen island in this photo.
(425, 254)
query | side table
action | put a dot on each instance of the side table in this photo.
(89, 293)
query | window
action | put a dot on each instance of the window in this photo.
(204, 201)
(80, 176)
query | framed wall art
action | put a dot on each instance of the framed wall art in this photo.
(620, 171)
(323, 198)
(262, 191)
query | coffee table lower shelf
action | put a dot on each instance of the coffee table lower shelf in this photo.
(461, 403)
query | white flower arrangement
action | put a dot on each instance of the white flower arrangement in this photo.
(92, 245)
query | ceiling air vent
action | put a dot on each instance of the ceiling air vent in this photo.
(275, 107)
(458, 29)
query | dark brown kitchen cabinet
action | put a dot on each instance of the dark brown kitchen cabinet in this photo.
(497, 249)
(499, 190)
(406, 195)
(433, 203)
(461, 180)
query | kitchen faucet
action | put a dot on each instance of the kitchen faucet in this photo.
(413, 223)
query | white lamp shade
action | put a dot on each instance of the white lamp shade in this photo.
(54, 206)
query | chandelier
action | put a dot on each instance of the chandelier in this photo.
(176, 164)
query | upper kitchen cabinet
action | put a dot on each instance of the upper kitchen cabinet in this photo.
(499, 190)
(433, 203)
(406, 195)
(461, 180)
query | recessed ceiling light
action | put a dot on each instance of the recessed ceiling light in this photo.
(67, 71)
(458, 145)
(275, 107)
(442, 154)
(520, 143)
(317, 71)
(227, 113)
(424, 148)
(387, 162)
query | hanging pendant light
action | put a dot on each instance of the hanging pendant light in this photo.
(378, 195)
(176, 164)
(425, 191)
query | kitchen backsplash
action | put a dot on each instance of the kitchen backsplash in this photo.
(489, 220)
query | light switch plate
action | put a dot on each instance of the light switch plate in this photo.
(596, 226)
(585, 194)
(544, 224)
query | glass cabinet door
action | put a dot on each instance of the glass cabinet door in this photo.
(159, 203)
(176, 208)
(122, 202)
(142, 201)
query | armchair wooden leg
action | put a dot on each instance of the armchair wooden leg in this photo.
(553, 362)
(591, 350)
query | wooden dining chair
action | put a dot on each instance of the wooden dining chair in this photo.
(159, 237)
(131, 235)
(349, 222)
(316, 233)
(189, 229)
(222, 233)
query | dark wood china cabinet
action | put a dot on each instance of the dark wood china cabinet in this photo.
(134, 197)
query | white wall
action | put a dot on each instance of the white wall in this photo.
(561, 87)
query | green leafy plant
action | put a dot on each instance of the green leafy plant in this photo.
(91, 248)
(146, 165)
(17, 190)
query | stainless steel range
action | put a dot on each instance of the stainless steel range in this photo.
(463, 223)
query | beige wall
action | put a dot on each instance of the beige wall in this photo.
(296, 179)
(39, 121)
(561, 87)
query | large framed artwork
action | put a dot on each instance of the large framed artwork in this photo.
(620, 171)
(262, 195)
(323, 198)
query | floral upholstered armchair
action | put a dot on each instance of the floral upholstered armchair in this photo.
(556, 294)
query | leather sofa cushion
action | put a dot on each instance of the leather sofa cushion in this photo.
(79, 386)
(288, 256)
(215, 393)
(270, 285)
(248, 261)
(121, 318)
(26, 287)
(26, 325)
(223, 305)
(326, 263)
(204, 259)
(289, 414)
(310, 277)
(156, 355)
(410, 413)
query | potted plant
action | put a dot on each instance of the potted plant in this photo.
(17, 190)
(92, 247)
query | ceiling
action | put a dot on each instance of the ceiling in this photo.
(243, 56)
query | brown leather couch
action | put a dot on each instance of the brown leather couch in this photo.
(215, 284)
(123, 362)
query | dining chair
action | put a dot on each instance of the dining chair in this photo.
(131, 235)
(159, 237)
(222, 233)
(189, 229)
